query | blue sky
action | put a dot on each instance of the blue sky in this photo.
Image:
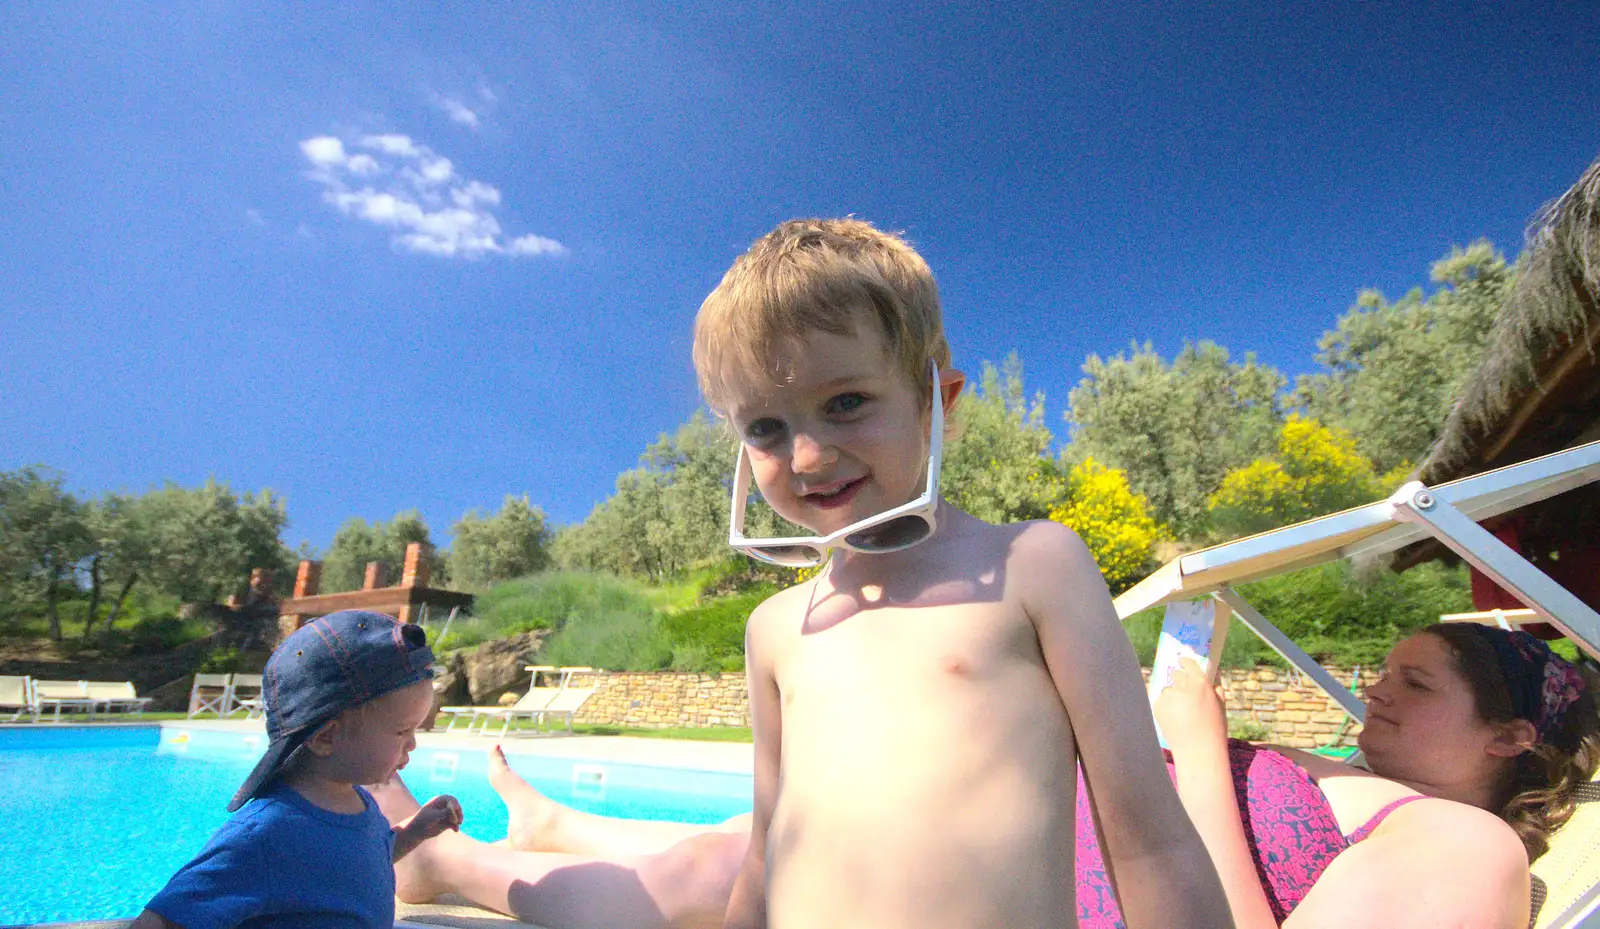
(380, 257)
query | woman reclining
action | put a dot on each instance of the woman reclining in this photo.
(1475, 740)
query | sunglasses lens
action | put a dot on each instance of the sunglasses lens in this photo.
(894, 534)
(791, 556)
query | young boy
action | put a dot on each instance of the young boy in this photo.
(919, 705)
(345, 694)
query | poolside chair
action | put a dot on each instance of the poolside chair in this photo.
(1570, 871)
(246, 697)
(16, 697)
(116, 696)
(565, 705)
(59, 695)
(537, 698)
(210, 693)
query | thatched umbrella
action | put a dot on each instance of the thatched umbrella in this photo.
(1535, 390)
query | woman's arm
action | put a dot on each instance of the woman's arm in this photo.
(1192, 719)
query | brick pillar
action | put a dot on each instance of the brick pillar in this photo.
(287, 624)
(374, 577)
(308, 581)
(416, 571)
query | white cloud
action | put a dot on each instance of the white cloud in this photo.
(389, 144)
(362, 164)
(323, 150)
(458, 112)
(535, 245)
(438, 170)
(418, 195)
(255, 217)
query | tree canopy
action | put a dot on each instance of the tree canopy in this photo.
(1176, 428)
(1394, 368)
(510, 543)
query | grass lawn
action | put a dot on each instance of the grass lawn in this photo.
(707, 734)
(48, 717)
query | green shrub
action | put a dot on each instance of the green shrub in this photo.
(222, 661)
(714, 630)
(1338, 615)
(543, 601)
(694, 659)
(619, 640)
(162, 633)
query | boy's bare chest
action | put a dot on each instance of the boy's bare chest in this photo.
(947, 648)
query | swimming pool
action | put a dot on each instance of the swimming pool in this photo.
(93, 820)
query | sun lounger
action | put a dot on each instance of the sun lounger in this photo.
(16, 697)
(1570, 870)
(246, 697)
(63, 695)
(565, 706)
(210, 693)
(536, 699)
(109, 696)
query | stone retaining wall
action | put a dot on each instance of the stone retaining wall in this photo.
(659, 700)
(1291, 709)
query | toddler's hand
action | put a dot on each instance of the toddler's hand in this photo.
(437, 815)
(1189, 711)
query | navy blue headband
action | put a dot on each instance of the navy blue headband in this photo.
(1543, 685)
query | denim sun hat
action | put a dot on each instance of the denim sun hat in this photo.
(325, 667)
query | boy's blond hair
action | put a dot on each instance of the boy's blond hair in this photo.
(808, 275)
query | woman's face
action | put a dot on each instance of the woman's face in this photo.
(1422, 720)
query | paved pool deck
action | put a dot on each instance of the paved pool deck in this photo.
(722, 757)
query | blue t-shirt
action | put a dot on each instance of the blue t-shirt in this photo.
(285, 861)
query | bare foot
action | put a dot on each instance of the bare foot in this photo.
(534, 817)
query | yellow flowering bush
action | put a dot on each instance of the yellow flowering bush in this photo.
(1315, 471)
(1112, 520)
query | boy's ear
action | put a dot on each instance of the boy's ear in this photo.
(951, 381)
(1513, 738)
(325, 739)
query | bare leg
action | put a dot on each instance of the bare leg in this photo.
(539, 824)
(685, 886)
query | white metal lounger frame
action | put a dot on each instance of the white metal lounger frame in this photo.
(1450, 513)
(219, 704)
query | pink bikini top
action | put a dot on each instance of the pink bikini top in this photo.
(1288, 824)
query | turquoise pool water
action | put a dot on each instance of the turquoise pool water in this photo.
(94, 820)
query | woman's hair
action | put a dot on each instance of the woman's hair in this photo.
(1538, 796)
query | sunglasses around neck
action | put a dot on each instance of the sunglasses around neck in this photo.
(889, 531)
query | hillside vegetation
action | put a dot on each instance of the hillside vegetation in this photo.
(1157, 454)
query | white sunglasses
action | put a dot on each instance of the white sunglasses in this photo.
(889, 531)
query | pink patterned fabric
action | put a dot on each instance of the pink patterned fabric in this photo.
(1291, 831)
